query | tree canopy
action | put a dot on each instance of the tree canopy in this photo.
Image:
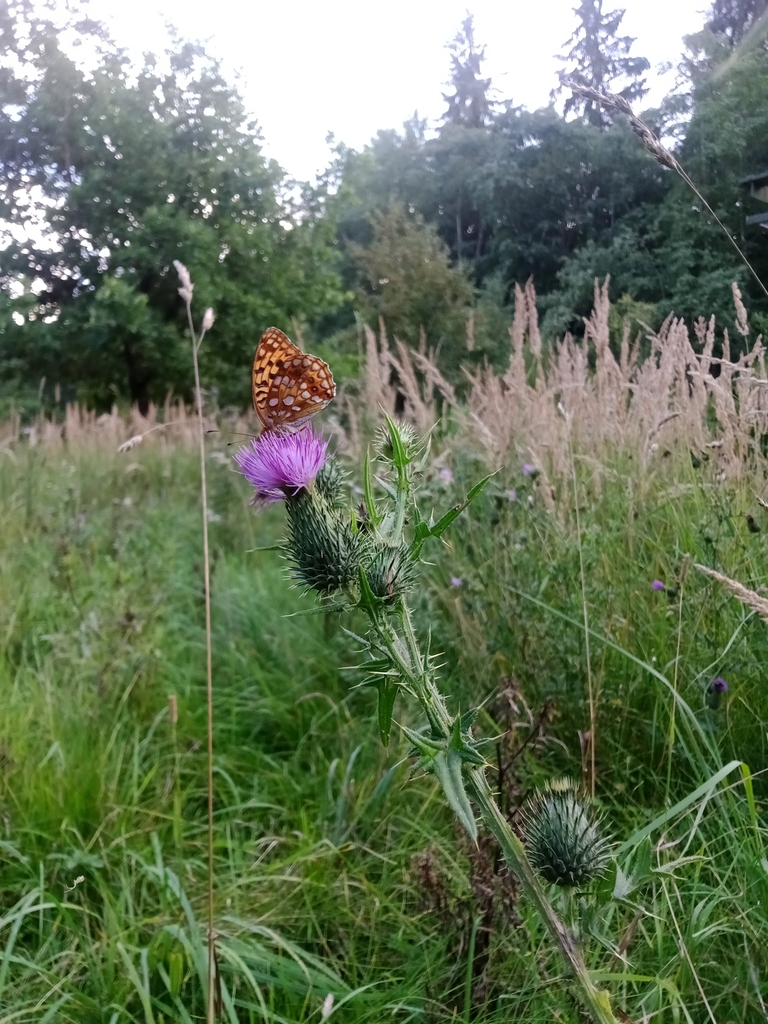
(126, 169)
(109, 171)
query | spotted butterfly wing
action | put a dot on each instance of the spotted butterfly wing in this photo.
(288, 385)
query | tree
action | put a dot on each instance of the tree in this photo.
(732, 20)
(599, 57)
(127, 169)
(410, 282)
(468, 104)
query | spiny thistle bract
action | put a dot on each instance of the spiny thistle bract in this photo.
(323, 547)
(563, 835)
(330, 482)
(391, 573)
(411, 441)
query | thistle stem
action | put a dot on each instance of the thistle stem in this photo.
(406, 655)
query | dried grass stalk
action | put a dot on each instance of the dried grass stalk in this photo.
(748, 597)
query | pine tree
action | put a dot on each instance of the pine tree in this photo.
(599, 57)
(468, 104)
(731, 20)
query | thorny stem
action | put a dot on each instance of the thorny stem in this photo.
(208, 657)
(406, 655)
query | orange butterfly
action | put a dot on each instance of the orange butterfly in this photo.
(288, 385)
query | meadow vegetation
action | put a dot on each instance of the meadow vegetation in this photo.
(602, 603)
(336, 873)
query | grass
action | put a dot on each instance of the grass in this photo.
(334, 873)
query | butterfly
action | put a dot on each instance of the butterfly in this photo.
(288, 385)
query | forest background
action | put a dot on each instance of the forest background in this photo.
(109, 171)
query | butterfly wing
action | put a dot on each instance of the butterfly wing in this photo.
(288, 386)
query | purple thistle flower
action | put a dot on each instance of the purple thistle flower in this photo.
(280, 465)
(529, 469)
(657, 585)
(456, 581)
(718, 685)
(446, 476)
(512, 494)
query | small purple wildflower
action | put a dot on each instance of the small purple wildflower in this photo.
(279, 465)
(512, 494)
(456, 581)
(718, 685)
(657, 585)
(529, 469)
(446, 476)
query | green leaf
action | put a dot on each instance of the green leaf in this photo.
(447, 766)
(444, 760)
(175, 972)
(368, 600)
(370, 501)
(427, 746)
(641, 862)
(424, 530)
(623, 885)
(704, 790)
(334, 606)
(400, 458)
(387, 696)
(468, 719)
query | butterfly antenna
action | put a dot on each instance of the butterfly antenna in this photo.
(238, 432)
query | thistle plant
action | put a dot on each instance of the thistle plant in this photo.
(367, 560)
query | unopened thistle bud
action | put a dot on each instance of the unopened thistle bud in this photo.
(208, 319)
(325, 551)
(563, 836)
(382, 442)
(392, 573)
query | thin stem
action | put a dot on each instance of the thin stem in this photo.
(208, 658)
(684, 175)
(590, 693)
(671, 734)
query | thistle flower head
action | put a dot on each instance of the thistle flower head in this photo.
(282, 465)
(657, 585)
(563, 837)
(717, 687)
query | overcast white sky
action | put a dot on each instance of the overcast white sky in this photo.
(350, 67)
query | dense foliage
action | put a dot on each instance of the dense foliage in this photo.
(110, 171)
(127, 169)
(336, 872)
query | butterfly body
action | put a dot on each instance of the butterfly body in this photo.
(288, 385)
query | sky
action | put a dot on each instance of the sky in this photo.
(312, 67)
